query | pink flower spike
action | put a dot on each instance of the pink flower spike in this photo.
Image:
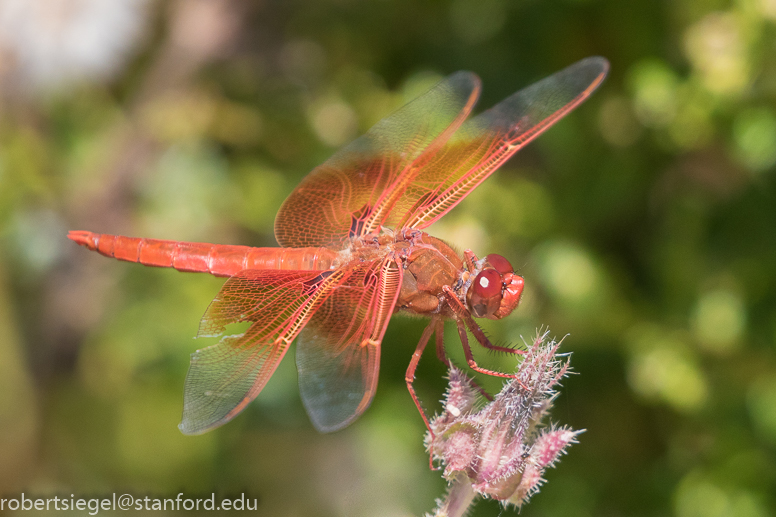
(551, 444)
(500, 450)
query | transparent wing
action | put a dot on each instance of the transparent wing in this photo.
(225, 377)
(338, 353)
(355, 189)
(485, 142)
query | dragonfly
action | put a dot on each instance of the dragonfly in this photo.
(353, 253)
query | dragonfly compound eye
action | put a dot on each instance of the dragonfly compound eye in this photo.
(499, 263)
(485, 293)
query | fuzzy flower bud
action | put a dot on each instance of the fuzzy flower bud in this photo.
(500, 449)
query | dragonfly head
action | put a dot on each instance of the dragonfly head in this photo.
(496, 289)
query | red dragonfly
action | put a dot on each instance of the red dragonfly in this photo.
(353, 253)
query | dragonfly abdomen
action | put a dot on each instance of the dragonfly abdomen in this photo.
(216, 259)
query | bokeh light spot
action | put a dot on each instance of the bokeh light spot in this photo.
(761, 402)
(719, 320)
(662, 368)
(716, 47)
(37, 239)
(697, 496)
(334, 122)
(262, 190)
(58, 43)
(654, 87)
(767, 8)
(569, 272)
(754, 133)
(692, 128)
(701, 499)
(181, 193)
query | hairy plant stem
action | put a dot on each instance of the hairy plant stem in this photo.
(460, 496)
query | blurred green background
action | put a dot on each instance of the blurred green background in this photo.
(644, 224)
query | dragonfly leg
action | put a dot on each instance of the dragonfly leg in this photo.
(438, 327)
(440, 349)
(409, 377)
(470, 260)
(440, 341)
(464, 321)
(470, 357)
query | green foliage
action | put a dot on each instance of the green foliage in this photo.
(644, 224)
